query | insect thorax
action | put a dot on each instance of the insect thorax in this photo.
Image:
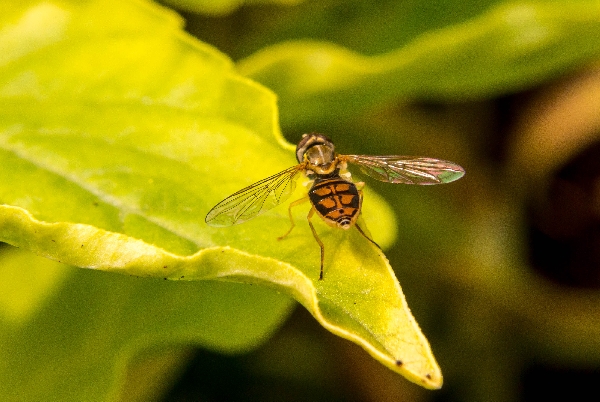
(336, 200)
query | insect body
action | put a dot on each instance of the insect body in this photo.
(333, 194)
(336, 200)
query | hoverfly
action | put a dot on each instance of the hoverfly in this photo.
(333, 194)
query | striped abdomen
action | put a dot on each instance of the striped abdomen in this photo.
(336, 200)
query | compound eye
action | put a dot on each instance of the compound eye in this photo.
(308, 141)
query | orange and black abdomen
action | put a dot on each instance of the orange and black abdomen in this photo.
(336, 200)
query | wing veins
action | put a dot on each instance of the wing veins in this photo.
(253, 200)
(264, 197)
(406, 169)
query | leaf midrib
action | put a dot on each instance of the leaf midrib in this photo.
(116, 202)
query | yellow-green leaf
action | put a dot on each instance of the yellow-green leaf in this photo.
(118, 132)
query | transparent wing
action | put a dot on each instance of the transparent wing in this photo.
(254, 199)
(406, 169)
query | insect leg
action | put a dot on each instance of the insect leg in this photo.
(293, 204)
(314, 232)
(366, 237)
(360, 193)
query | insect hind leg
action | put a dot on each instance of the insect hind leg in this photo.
(366, 237)
(314, 232)
(359, 186)
(292, 204)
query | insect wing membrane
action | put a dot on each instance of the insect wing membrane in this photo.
(407, 169)
(254, 199)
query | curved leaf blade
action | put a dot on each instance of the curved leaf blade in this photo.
(512, 46)
(358, 282)
(112, 154)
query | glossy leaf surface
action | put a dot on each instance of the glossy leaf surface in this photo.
(118, 132)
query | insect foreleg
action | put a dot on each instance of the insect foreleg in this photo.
(314, 232)
(293, 204)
